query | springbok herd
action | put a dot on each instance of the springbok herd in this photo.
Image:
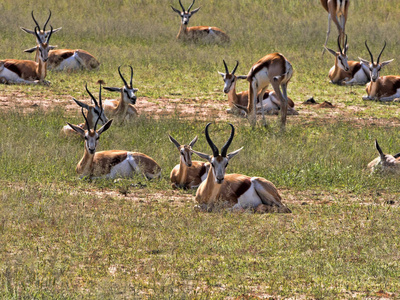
(214, 187)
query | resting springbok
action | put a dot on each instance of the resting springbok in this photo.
(347, 72)
(239, 102)
(196, 33)
(122, 109)
(385, 88)
(272, 69)
(385, 162)
(338, 11)
(27, 71)
(236, 190)
(63, 59)
(187, 174)
(111, 163)
(94, 112)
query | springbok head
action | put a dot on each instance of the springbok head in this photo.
(230, 78)
(385, 162)
(185, 14)
(341, 56)
(184, 150)
(127, 91)
(375, 68)
(219, 162)
(43, 34)
(43, 47)
(92, 135)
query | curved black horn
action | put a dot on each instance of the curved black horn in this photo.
(183, 9)
(372, 57)
(338, 43)
(131, 75)
(234, 69)
(86, 120)
(37, 35)
(384, 46)
(34, 20)
(224, 149)
(48, 19)
(226, 67)
(122, 77)
(51, 32)
(210, 142)
(91, 96)
(101, 109)
(191, 6)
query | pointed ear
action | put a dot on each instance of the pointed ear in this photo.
(386, 62)
(193, 142)
(51, 47)
(174, 141)
(232, 154)
(364, 61)
(30, 50)
(27, 30)
(203, 155)
(175, 10)
(241, 77)
(331, 51)
(112, 89)
(196, 10)
(81, 104)
(104, 127)
(55, 30)
(222, 74)
(78, 129)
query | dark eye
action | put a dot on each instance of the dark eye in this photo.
(86, 138)
(339, 58)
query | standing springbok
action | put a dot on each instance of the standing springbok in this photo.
(63, 59)
(94, 112)
(187, 174)
(338, 11)
(273, 68)
(196, 33)
(122, 109)
(385, 88)
(239, 102)
(347, 72)
(236, 190)
(385, 162)
(111, 163)
(27, 71)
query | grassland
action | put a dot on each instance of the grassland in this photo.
(65, 238)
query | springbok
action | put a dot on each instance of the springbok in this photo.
(111, 163)
(347, 72)
(122, 109)
(27, 71)
(196, 33)
(42, 33)
(385, 162)
(238, 102)
(236, 190)
(273, 68)
(187, 174)
(94, 112)
(338, 11)
(63, 59)
(385, 88)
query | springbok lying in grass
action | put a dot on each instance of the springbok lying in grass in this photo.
(111, 163)
(94, 112)
(239, 102)
(63, 59)
(385, 162)
(385, 88)
(187, 174)
(337, 11)
(123, 108)
(237, 190)
(27, 71)
(347, 72)
(272, 69)
(197, 33)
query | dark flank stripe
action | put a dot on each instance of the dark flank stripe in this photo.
(203, 170)
(243, 187)
(273, 59)
(115, 160)
(66, 55)
(13, 68)
(356, 68)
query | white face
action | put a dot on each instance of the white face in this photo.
(44, 52)
(219, 165)
(129, 94)
(95, 112)
(374, 71)
(342, 62)
(230, 82)
(91, 141)
(185, 16)
(186, 155)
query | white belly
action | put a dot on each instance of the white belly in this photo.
(125, 168)
(70, 63)
(249, 199)
(261, 79)
(11, 76)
